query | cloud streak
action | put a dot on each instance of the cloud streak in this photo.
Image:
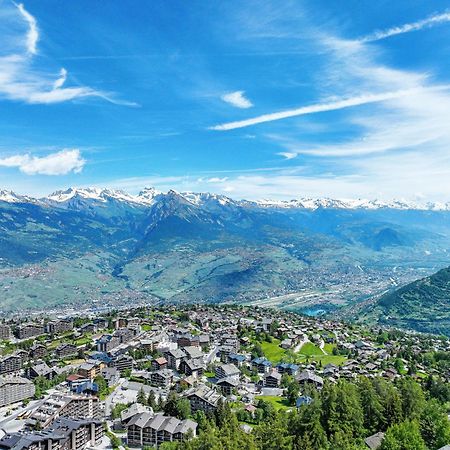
(430, 21)
(59, 163)
(323, 107)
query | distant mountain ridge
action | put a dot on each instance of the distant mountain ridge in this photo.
(101, 245)
(148, 195)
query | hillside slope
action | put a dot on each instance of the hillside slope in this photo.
(422, 305)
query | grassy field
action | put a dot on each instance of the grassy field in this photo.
(309, 349)
(272, 351)
(277, 402)
(328, 348)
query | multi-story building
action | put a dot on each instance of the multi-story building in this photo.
(63, 434)
(122, 363)
(202, 398)
(5, 332)
(148, 430)
(15, 389)
(10, 364)
(38, 351)
(29, 330)
(227, 371)
(107, 343)
(59, 326)
(64, 350)
(174, 358)
(161, 378)
(65, 405)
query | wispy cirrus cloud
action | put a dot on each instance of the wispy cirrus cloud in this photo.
(430, 21)
(32, 35)
(21, 81)
(59, 163)
(237, 99)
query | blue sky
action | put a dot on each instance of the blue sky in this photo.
(263, 99)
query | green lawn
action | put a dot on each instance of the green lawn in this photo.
(272, 351)
(328, 348)
(337, 360)
(309, 349)
(277, 402)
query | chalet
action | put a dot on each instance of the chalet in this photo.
(202, 398)
(151, 430)
(174, 358)
(237, 359)
(38, 351)
(161, 378)
(262, 365)
(272, 379)
(65, 350)
(308, 377)
(227, 385)
(159, 363)
(194, 367)
(227, 371)
(41, 370)
(289, 368)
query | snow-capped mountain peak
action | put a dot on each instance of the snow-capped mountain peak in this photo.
(12, 197)
(77, 197)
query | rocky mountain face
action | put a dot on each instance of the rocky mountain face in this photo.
(90, 244)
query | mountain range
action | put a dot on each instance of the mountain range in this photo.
(100, 246)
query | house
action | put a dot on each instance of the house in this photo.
(90, 369)
(289, 368)
(159, 363)
(193, 352)
(65, 350)
(161, 378)
(174, 358)
(272, 379)
(38, 351)
(135, 408)
(192, 367)
(308, 377)
(262, 365)
(303, 400)
(227, 371)
(374, 442)
(202, 398)
(151, 430)
(41, 370)
(227, 385)
(286, 344)
(237, 359)
(111, 375)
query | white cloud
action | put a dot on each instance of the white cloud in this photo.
(59, 163)
(20, 81)
(288, 155)
(32, 35)
(237, 99)
(433, 20)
